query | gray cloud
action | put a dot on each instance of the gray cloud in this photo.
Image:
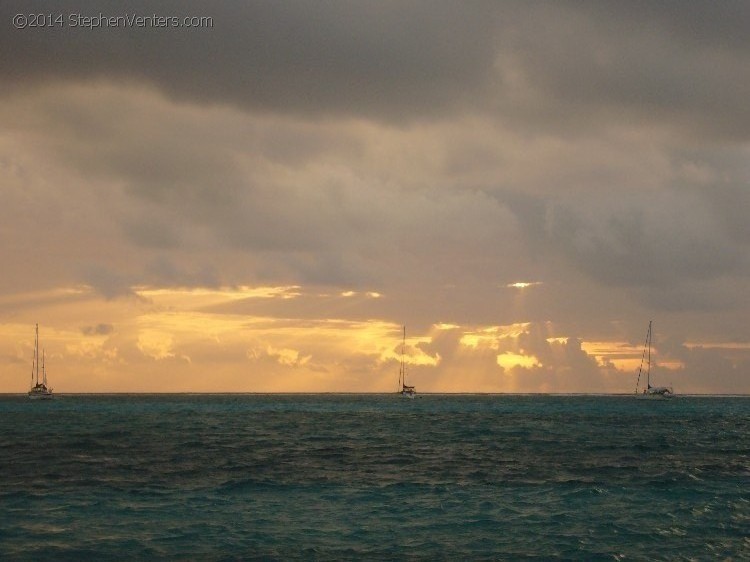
(660, 240)
(681, 64)
(567, 64)
(433, 152)
(98, 330)
(389, 59)
(108, 282)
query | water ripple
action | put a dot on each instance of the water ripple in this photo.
(374, 477)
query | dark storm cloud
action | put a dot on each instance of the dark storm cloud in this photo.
(712, 24)
(572, 64)
(619, 240)
(588, 63)
(379, 59)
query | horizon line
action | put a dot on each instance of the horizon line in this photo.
(364, 393)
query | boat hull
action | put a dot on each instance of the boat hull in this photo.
(660, 393)
(653, 397)
(40, 392)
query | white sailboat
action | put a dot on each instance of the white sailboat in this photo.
(650, 392)
(39, 390)
(404, 390)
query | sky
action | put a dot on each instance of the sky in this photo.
(260, 202)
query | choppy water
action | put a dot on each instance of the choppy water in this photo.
(328, 477)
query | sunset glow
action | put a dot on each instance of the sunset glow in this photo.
(509, 360)
(523, 284)
(179, 217)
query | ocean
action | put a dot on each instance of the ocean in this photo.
(374, 477)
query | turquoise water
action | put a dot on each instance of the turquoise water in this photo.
(358, 477)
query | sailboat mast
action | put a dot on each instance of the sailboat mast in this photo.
(403, 370)
(648, 370)
(36, 355)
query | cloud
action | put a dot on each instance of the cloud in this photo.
(519, 358)
(333, 220)
(395, 62)
(98, 330)
(386, 60)
(110, 284)
(433, 154)
(634, 64)
(664, 238)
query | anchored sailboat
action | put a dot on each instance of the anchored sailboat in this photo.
(40, 390)
(650, 392)
(404, 390)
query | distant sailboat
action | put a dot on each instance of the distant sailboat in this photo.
(40, 390)
(650, 392)
(404, 390)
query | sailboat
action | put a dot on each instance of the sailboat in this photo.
(650, 392)
(404, 390)
(40, 390)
